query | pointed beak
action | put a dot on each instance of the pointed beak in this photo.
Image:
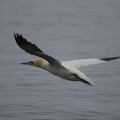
(27, 63)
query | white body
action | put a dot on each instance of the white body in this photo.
(70, 69)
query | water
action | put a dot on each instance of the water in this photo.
(67, 30)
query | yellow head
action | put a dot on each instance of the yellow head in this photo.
(39, 62)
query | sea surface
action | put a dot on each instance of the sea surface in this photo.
(67, 30)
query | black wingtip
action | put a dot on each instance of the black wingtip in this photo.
(15, 35)
(25, 45)
(110, 58)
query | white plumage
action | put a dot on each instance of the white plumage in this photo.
(65, 69)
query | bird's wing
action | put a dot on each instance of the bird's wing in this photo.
(33, 49)
(79, 76)
(86, 62)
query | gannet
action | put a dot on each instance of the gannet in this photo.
(69, 70)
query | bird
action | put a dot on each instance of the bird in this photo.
(69, 70)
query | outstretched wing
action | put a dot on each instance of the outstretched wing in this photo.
(86, 62)
(33, 49)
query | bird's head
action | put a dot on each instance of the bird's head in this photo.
(39, 62)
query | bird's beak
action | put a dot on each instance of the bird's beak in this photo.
(27, 63)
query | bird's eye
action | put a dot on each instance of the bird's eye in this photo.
(31, 62)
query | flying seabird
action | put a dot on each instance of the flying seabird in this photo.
(65, 69)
